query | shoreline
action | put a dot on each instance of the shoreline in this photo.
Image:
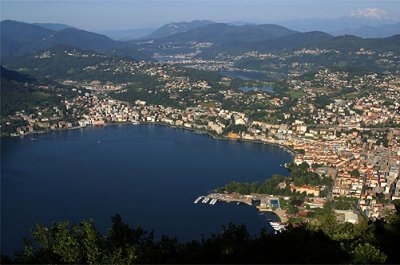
(286, 148)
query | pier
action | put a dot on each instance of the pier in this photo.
(198, 199)
(267, 203)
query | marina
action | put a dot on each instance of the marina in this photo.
(205, 199)
(264, 203)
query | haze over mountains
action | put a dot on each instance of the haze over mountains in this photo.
(174, 28)
(53, 26)
(343, 25)
(220, 33)
(20, 38)
(381, 31)
(364, 27)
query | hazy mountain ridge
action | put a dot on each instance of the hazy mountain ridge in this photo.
(223, 33)
(53, 26)
(333, 25)
(177, 27)
(18, 38)
(265, 38)
(372, 31)
(129, 34)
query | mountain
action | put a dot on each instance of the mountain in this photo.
(174, 28)
(316, 39)
(288, 42)
(66, 62)
(223, 33)
(16, 35)
(18, 38)
(333, 25)
(130, 34)
(80, 39)
(382, 31)
(269, 37)
(53, 26)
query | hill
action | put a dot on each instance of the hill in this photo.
(174, 28)
(223, 33)
(23, 92)
(18, 38)
(61, 62)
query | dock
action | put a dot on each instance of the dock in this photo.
(213, 201)
(205, 200)
(268, 203)
(198, 199)
(278, 227)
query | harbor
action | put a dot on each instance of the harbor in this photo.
(264, 203)
(206, 199)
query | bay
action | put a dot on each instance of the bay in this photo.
(149, 174)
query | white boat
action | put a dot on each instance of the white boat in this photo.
(198, 199)
(206, 200)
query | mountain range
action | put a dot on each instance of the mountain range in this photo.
(18, 38)
(364, 27)
(268, 37)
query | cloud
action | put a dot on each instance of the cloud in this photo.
(374, 13)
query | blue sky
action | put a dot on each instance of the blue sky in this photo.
(125, 14)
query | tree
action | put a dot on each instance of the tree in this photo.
(355, 173)
(368, 254)
(292, 209)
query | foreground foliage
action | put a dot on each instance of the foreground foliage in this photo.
(322, 241)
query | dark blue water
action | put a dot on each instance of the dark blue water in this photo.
(263, 88)
(149, 174)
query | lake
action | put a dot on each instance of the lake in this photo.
(262, 88)
(245, 75)
(149, 174)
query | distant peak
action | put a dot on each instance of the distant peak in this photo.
(372, 13)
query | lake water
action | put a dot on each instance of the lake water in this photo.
(147, 173)
(245, 75)
(263, 88)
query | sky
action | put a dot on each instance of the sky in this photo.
(133, 14)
